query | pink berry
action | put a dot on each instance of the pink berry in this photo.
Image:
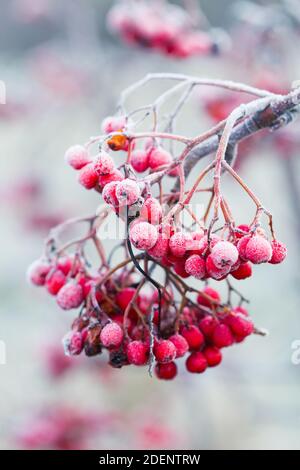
(38, 271)
(193, 336)
(143, 235)
(124, 297)
(258, 250)
(104, 164)
(73, 343)
(214, 272)
(195, 266)
(113, 124)
(165, 351)
(151, 211)
(279, 252)
(116, 175)
(139, 160)
(127, 192)
(207, 325)
(77, 157)
(88, 177)
(70, 296)
(196, 363)
(242, 272)
(111, 335)
(161, 247)
(240, 325)
(222, 336)
(55, 281)
(180, 344)
(213, 356)
(242, 245)
(137, 353)
(224, 254)
(178, 243)
(166, 371)
(203, 299)
(242, 228)
(159, 157)
(109, 194)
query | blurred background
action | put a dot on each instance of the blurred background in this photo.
(64, 70)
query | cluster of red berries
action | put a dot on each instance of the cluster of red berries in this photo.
(167, 29)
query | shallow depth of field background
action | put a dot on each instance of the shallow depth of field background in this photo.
(63, 73)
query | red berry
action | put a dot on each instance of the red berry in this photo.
(164, 351)
(166, 371)
(242, 272)
(193, 336)
(179, 268)
(213, 356)
(279, 252)
(124, 297)
(139, 160)
(208, 291)
(196, 363)
(242, 245)
(116, 175)
(151, 211)
(73, 343)
(143, 235)
(38, 271)
(113, 124)
(258, 250)
(207, 325)
(88, 177)
(224, 254)
(222, 336)
(214, 272)
(180, 344)
(70, 296)
(137, 353)
(178, 243)
(240, 325)
(195, 266)
(127, 192)
(109, 194)
(161, 247)
(104, 164)
(77, 157)
(159, 157)
(243, 228)
(241, 310)
(111, 335)
(55, 281)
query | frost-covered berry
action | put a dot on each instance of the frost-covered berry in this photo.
(151, 211)
(164, 351)
(55, 281)
(213, 356)
(38, 271)
(279, 252)
(242, 245)
(222, 336)
(207, 325)
(73, 343)
(77, 157)
(224, 254)
(116, 175)
(103, 164)
(139, 160)
(111, 335)
(137, 353)
(166, 371)
(214, 272)
(88, 177)
(203, 299)
(180, 344)
(127, 192)
(196, 363)
(193, 336)
(159, 157)
(179, 242)
(258, 250)
(242, 272)
(113, 124)
(143, 235)
(124, 297)
(109, 194)
(240, 325)
(70, 296)
(195, 266)
(161, 247)
(242, 230)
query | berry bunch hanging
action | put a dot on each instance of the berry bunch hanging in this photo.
(156, 305)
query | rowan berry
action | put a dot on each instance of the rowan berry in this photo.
(180, 344)
(88, 177)
(213, 356)
(222, 336)
(196, 363)
(279, 252)
(137, 353)
(224, 254)
(38, 271)
(139, 160)
(166, 371)
(151, 211)
(143, 235)
(195, 266)
(242, 272)
(55, 281)
(104, 164)
(193, 336)
(111, 336)
(77, 157)
(70, 296)
(258, 250)
(164, 351)
(203, 299)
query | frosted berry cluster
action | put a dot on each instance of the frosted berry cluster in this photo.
(168, 29)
